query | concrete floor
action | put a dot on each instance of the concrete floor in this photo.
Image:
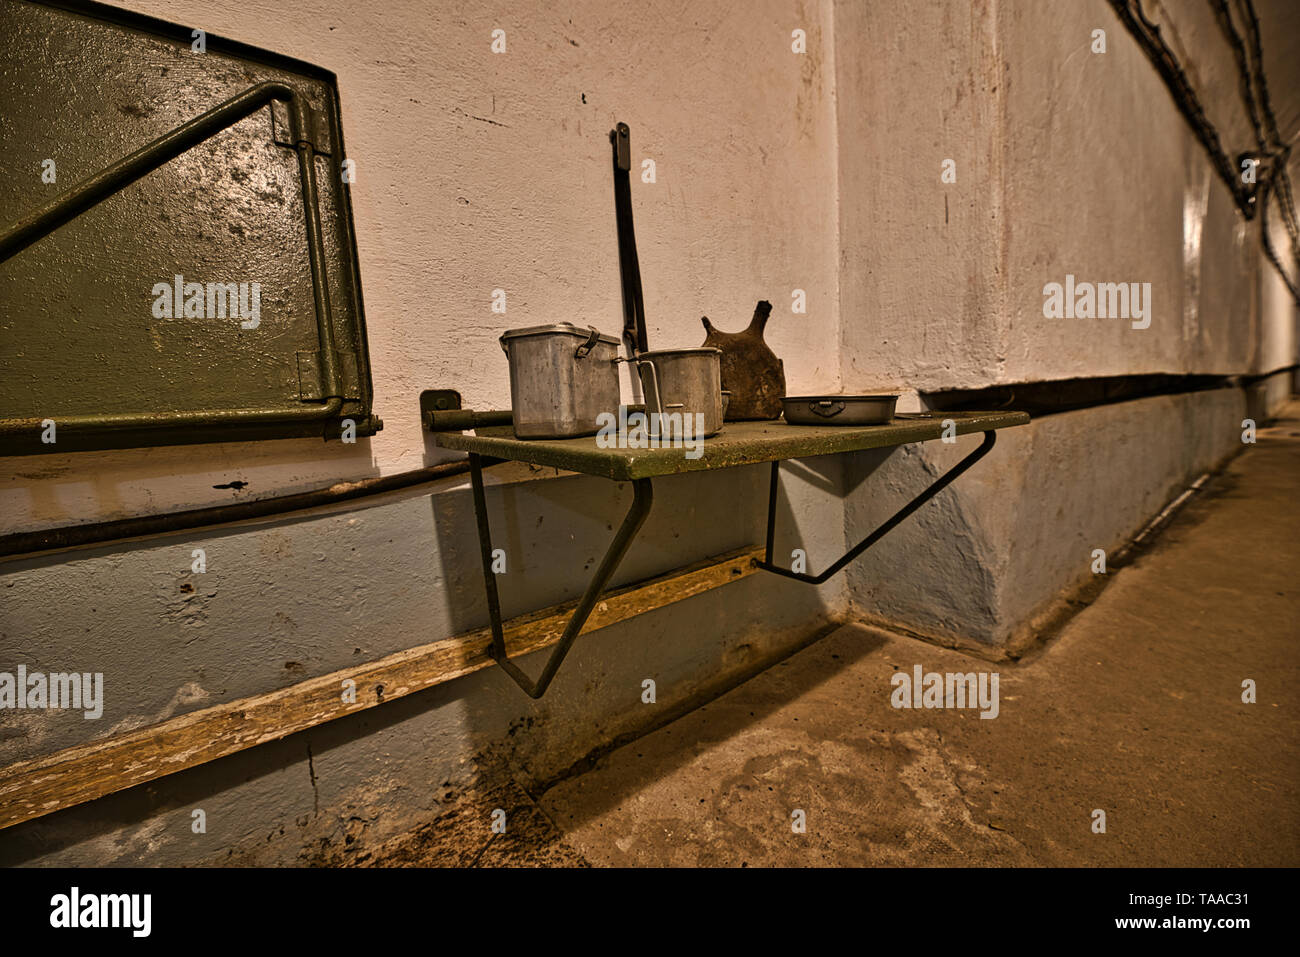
(1134, 708)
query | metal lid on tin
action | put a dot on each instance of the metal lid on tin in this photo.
(565, 328)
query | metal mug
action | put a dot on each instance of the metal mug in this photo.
(686, 381)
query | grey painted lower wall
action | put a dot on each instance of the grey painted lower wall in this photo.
(983, 559)
(1265, 396)
(282, 602)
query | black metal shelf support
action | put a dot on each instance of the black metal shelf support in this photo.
(896, 519)
(642, 497)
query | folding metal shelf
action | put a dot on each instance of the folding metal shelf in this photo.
(739, 443)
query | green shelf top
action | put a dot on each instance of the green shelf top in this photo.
(739, 443)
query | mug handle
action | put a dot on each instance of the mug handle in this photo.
(657, 404)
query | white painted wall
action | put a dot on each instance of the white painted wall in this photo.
(919, 302)
(1068, 162)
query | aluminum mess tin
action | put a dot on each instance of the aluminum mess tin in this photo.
(685, 381)
(838, 409)
(562, 377)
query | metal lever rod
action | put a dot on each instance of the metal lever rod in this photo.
(642, 497)
(893, 522)
(628, 265)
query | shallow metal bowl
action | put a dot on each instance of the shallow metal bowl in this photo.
(838, 409)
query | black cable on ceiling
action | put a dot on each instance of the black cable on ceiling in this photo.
(1224, 16)
(1284, 149)
(1272, 254)
(1281, 152)
(1255, 87)
(1249, 198)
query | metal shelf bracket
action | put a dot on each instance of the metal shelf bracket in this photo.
(642, 497)
(894, 521)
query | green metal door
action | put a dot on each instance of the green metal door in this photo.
(177, 260)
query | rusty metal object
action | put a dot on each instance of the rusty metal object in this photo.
(751, 372)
